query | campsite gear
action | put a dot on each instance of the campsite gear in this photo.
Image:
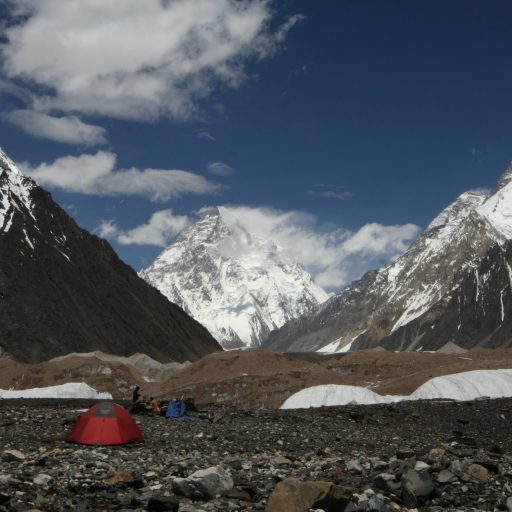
(105, 423)
(176, 411)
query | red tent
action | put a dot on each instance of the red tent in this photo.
(105, 423)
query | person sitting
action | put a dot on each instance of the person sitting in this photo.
(155, 407)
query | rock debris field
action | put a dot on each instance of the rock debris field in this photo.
(425, 456)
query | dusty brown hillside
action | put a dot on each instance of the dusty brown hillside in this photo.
(257, 378)
(265, 378)
(113, 377)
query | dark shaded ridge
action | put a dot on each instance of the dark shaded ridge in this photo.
(71, 293)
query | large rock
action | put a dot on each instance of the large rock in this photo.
(207, 483)
(292, 495)
(417, 487)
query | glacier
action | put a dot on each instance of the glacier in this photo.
(69, 390)
(458, 386)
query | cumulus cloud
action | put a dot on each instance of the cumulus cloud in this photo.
(96, 174)
(67, 129)
(161, 227)
(136, 60)
(333, 255)
(220, 169)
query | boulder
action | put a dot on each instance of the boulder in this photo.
(417, 487)
(163, 503)
(209, 482)
(292, 495)
(477, 471)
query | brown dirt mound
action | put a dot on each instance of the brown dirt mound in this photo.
(111, 377)
(265, 378)
(257, 378)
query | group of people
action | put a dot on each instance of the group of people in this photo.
(152, 406)
(137, 401)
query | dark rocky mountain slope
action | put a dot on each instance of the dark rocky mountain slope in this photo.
(64, 290)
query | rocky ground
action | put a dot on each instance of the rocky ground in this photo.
(428, 456)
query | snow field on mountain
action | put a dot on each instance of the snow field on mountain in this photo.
(458, 386)
(12, 187)
(238, 285)
(498, 210)
(69, 390)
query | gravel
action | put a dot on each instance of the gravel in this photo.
(426, 455)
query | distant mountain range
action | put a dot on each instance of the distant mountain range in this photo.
(238, 285)
(64, 290)
(454, 284)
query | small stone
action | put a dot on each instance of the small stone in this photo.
(446, 476)
(509, 504)
(281, 461)
(385, 482)
(13, 456)
(162, 503)
(239, 494)
(436, 454)
(376, 504)
(42, 479)
(378, 465)
(420, 466)
(405, 453)
(477, 471)
(119, 478)
(353, 466)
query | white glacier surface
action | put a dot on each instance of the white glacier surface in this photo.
(69, 390)
(458, 386)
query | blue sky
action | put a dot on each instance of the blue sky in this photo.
(339, 127)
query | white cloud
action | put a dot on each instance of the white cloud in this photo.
(136, 60)
(68, 129)
(206, 135)
(329, 191)
(96, 174)
(220, 169)
(161, 228)
(334, 256)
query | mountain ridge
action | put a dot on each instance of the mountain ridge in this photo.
(65, 290)
(238, 285)
(400, 306)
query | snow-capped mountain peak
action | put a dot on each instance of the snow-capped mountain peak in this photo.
(456, 212)
(452, 284)
(6, 164)
(240, 286)
(14, 192)
(497, 208)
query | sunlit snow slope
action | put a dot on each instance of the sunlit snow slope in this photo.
(237, 285)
